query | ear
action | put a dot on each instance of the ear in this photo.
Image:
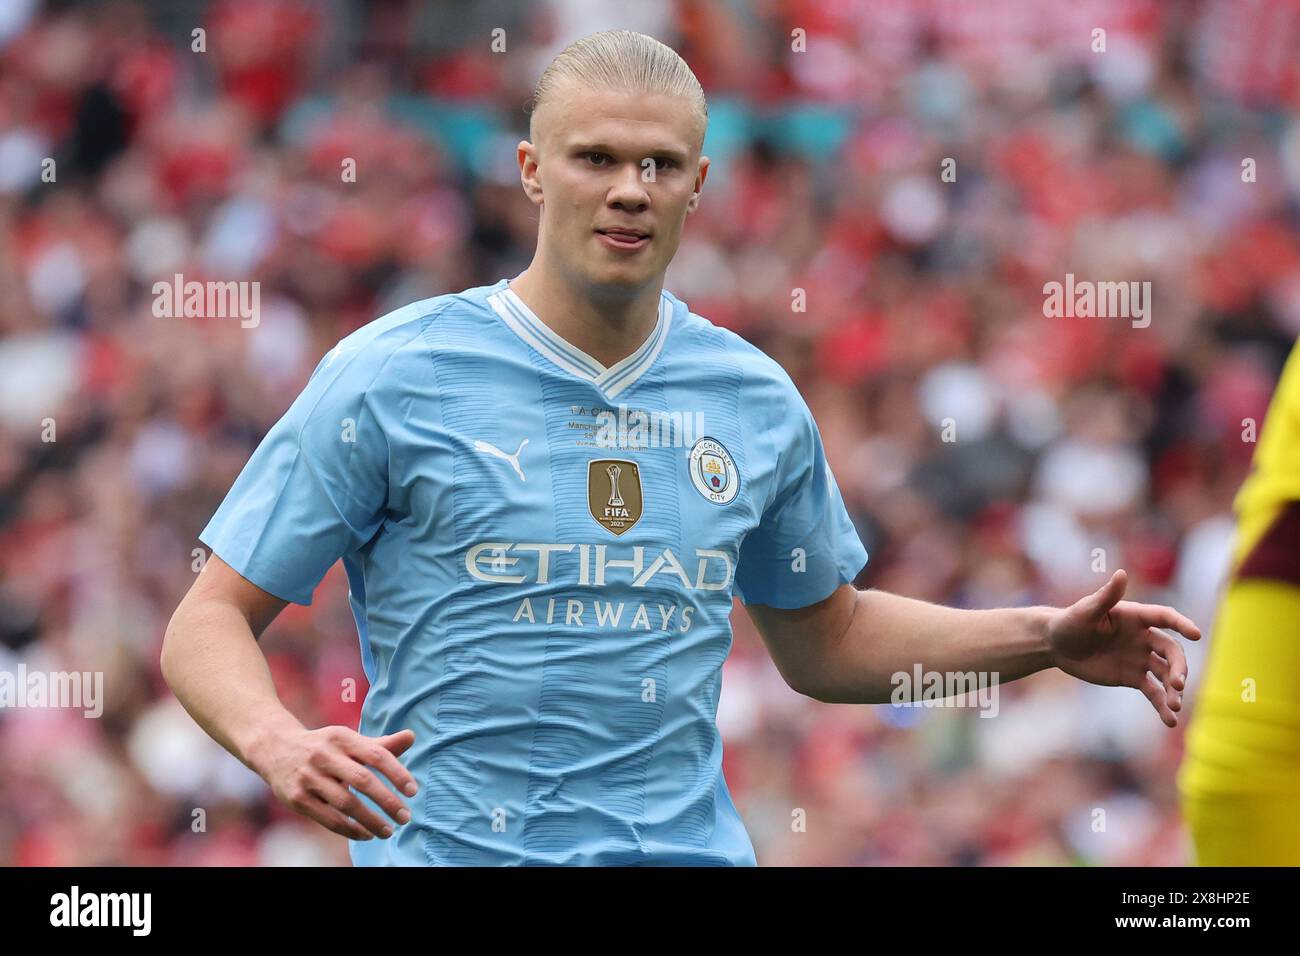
(703, 172)
(528, 168)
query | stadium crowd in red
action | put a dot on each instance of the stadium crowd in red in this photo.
(990, 455)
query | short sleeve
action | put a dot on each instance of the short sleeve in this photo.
(314, 490)
(805, 545)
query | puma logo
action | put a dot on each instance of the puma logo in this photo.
(489, 448)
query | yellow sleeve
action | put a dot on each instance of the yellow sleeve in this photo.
(1274, 477)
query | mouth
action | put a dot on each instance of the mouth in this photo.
(625, 240)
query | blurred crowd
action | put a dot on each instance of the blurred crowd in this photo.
(990, 455)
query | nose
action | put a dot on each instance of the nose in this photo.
(628, 192)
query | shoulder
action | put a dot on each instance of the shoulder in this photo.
(396, 346)
(764, 383)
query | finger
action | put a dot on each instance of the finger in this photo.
(1171, 651)
(351, 773)
(1153, 692)
(1157, 615)
(1163, 670)
(334, 793)
(348, 770)
(1107, 596)
(331, 819)
(1158, 666)
(398, 743)
(381, 753)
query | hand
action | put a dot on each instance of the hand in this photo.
(311, 772)
(1104, 640)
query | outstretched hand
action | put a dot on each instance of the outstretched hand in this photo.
(1104, 640)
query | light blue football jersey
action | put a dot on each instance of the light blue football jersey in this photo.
(542, 554)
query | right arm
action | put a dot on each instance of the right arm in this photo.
(212, 662)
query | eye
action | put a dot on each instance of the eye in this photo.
(597, 159)
(662, 162)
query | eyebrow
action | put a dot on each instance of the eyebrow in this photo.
(671, 152)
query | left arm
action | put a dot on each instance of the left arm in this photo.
(847, 648)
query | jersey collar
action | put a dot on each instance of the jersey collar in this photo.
(612, 380)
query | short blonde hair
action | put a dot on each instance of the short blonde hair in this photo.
(621, 60)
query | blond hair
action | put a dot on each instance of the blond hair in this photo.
(621, 60)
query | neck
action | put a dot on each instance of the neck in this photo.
(608, 324)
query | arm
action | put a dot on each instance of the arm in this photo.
(212, 662)
(848, 647)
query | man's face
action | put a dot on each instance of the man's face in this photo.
(616, 174)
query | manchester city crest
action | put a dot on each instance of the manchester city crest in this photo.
(713, 472)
